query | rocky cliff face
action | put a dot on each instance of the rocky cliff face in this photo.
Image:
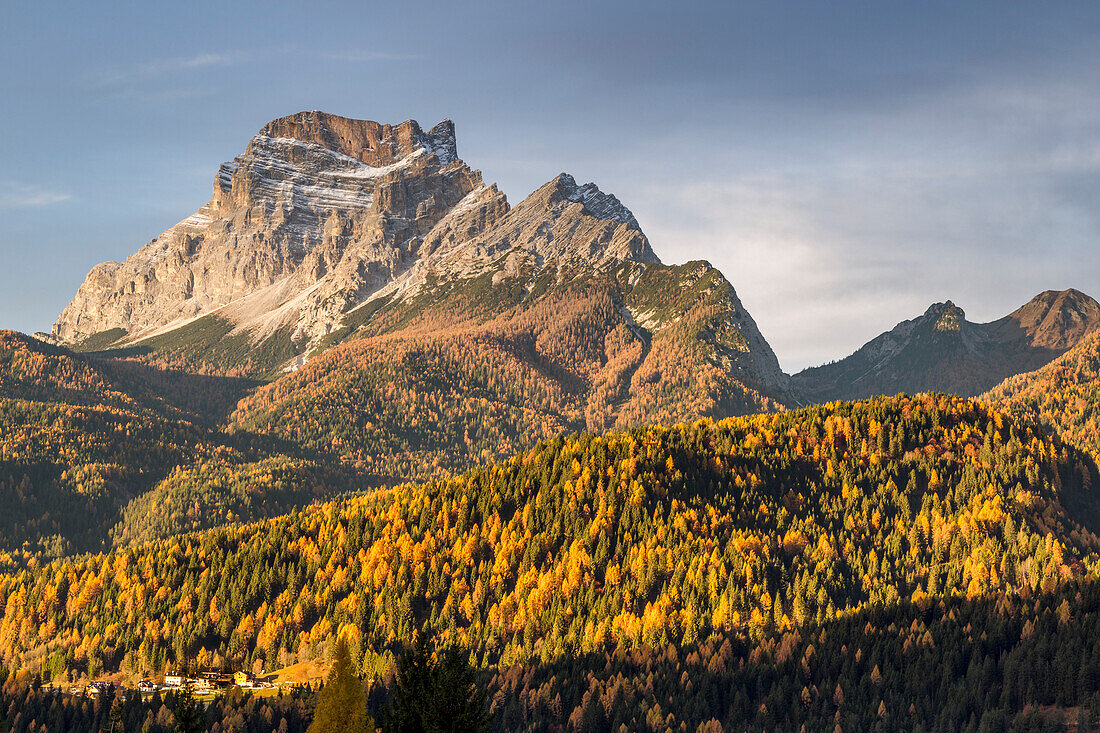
(322, 212)
(942, 351)
(317, 213)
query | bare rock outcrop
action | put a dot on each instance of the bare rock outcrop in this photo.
(316, 214)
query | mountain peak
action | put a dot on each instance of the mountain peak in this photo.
(316, 202)
(369, 142)
(1056, 319)
(945, 316)
(578, 226)
(595, 202)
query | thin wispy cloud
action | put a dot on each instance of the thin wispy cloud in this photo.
(157, 69)
(26, 196)
(161, 95)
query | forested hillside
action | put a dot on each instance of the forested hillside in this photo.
(996, 663)
(754, 525)
(1064, 395)
(100, 452)
(1003, 663)
(474, 371)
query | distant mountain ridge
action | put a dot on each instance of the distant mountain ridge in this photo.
(942, 351)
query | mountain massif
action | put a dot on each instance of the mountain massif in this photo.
(328, 230)
(325, 226)
(434, 325)
(409, 321)
(942, 351)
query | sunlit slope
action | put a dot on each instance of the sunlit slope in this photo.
(473, 371)
(1064, 395)
(663, 534)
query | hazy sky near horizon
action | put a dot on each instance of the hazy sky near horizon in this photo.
(844, 164)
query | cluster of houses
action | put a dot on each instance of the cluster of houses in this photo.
(204, 682)
(211, 681)
(97, 688)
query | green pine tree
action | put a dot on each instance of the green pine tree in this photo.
(188, 712)
(435, 692)
(113, 724)
(341, 705)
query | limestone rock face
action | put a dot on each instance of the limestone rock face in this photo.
(321, 212)
(317, 213)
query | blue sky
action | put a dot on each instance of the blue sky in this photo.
(844, 164)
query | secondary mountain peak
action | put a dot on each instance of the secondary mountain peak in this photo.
(573, 225)
(945, 316)
(1056, 319)
(595, 202)
(942, 351)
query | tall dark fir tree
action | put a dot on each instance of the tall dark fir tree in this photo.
(436, 691)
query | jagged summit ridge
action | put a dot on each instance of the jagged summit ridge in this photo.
(596, 202)
(369, 142)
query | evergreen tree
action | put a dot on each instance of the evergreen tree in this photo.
(188, 712)
(113, 723)
(341, 705)
(435, 692)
